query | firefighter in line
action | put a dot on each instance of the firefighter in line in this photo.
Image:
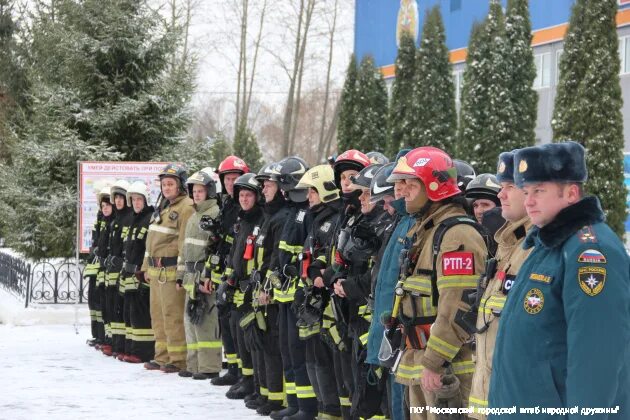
(387, 277)
(115, 286)
(100, 252)
(444, 256)
(164, 244)
(566, 317)
(347, 164)
(300, 396)
(229, 170)
(201, 320)
(139, 340)
(276, 213)
(498, 278)
(358, 246)
(238, 273)
(91, 272)
(311, 301)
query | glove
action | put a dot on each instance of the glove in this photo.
(196, 309)
(140, 276)
(179, 282)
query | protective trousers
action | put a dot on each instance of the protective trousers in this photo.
(298, 388)
(94, 304)
(272, 356)
(228, 340)
(103, 330)
(420, 398)
(321, 372)
(167, 316)
(244, 355)
(203, 340)
(142, 338)
(118, 320)
(343, 365)
(109, 313)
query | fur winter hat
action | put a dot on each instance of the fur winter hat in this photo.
(505, 167)
(553, 162)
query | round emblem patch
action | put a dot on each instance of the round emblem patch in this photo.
(433, 186)
(501, 167)
(522, 166)
(534, 301)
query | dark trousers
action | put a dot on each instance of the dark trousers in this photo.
(142, 339)
(293, 352)
(321, 373)
(271, 354)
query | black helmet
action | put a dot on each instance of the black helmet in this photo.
(465, 173)
(247, 181)
(365, 176)
(265, 173)
(207, 177)
(177, 171)
(287, 173)
(484, 186)
(379, 187)
(377, 157)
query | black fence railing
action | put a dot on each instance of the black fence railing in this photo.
(48, 281)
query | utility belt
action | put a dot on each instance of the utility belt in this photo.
(162, 262)
(114, 264)
(195, 266)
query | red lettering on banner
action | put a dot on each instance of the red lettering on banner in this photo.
(458, 263)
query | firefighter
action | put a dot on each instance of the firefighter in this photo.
(347, 164)
(140, 341)
(300, 396)
(564, 332)
(201, 321)
(229, 170)
(310, 302)
(90, 273)
(164, 243)
(499, 274)
(101, 250)
(115, 285)
(445, 254)
(358, 245)
(387, 277)
(265, 334)
(240, 266)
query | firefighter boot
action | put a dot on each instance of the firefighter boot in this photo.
(230, 378)
(246, 388)
(285, 412)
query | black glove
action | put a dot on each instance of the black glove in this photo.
(196, 309)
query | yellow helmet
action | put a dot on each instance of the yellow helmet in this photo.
(322, 178)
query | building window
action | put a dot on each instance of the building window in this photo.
(456, 5)
(558, 57)
(458, 82)
(543, 70)
(624, 54)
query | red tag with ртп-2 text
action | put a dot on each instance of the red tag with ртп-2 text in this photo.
(458, 263)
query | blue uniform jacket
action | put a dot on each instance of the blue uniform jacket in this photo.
(387, 279)
(564, 336)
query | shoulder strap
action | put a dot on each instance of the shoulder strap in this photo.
(440, 231)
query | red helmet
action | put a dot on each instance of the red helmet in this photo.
(350, 159)
(433, 167)
(233, 164)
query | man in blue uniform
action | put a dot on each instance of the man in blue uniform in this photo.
(564, 336)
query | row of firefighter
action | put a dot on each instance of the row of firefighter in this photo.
(364, 288)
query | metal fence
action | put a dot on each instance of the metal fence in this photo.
(48, 281)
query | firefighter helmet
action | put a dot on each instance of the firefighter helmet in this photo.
(465, 173)
(264, 174)
(119, 187)
(287, 173)
(377, 157)
(103, 195)
(247, 181)
(364, 178)
(321, 178)
(140, 188)
(349, 160)
(380, 187)
(433, 167)
(177, 171)
(484, 186)
(207, 177)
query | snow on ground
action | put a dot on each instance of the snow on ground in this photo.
(12, 312)
(50, 373)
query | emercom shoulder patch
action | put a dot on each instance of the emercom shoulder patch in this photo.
(592, 279)
(534, 301)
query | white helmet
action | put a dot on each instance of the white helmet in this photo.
(102, 194)
(138, 187)
(119, 187)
